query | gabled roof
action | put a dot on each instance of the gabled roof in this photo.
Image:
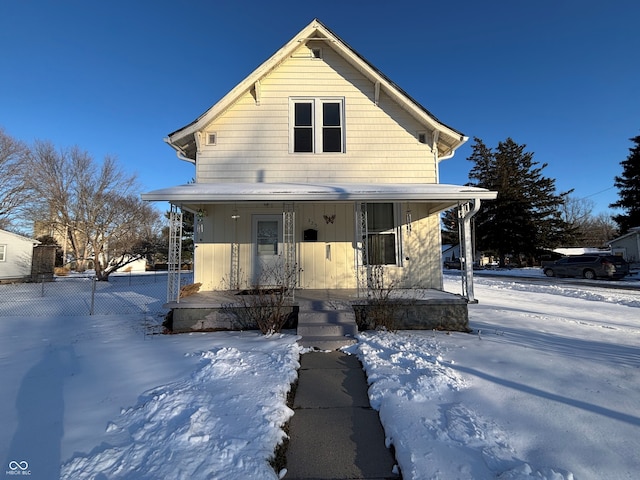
(634, 231)
(449, 139)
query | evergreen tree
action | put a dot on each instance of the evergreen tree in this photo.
(628, 185)
(186, 253)
(525, 216)
(449, 230)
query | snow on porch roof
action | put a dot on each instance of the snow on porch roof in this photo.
(289, 192)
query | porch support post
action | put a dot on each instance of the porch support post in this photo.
(175, 254)
(465, 212)
(362, 248)
(234, 281)
(289, 246)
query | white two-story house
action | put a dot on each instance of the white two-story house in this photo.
(312, 171)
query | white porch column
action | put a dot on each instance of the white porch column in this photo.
(362, 248)
(289, 247)
(175, 254)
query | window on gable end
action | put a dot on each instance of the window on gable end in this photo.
(331, 127)
(303, 127)
(317, 125)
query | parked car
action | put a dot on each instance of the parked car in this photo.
(453, 264)
(588, 266)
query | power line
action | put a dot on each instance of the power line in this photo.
(601, 191)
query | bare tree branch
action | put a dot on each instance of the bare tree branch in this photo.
(13, 190)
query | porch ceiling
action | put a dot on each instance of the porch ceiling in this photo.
(442, 195)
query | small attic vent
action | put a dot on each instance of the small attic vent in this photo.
(211, 138)
(316, 53)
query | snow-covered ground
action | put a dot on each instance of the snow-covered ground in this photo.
(547, 386)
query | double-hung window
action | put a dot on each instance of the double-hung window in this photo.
(3, 253)
(382, 234)
(317, 125)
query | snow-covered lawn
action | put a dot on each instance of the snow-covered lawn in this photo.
(547, 386)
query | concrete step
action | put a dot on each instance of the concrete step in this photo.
(326, 329)
(328, 323)
(327, 316)
(315, 330)
(326, 342)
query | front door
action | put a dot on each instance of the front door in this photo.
(267, 244)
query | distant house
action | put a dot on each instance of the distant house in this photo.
(628, 245)
(16, 256)
(313, 170)
(135, 266)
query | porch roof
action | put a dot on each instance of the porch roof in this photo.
(444, 194)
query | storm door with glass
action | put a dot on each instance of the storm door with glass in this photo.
(267, 244)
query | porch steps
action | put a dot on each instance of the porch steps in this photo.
(326, 327)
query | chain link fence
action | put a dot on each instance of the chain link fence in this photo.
(123, 294)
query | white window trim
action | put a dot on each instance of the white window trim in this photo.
(209, 135)
(316, 109)
(397, 231)
(3, 253)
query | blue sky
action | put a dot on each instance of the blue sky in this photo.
(116, 77)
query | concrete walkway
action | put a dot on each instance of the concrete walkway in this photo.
(335, 434)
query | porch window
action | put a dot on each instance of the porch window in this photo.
(382, 235)
(317, 125)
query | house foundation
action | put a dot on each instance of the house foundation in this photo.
(410, 310)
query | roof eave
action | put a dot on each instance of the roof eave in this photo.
(321, 193)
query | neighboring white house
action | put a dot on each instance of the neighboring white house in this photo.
(16, 256)
(135, 266)
(628, 245)
(313, 170)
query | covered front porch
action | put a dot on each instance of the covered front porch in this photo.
(324, 237)
(339, 255)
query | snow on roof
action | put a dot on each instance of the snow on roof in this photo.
(233, 192)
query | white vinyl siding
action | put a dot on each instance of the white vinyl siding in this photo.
(253, 141)
(327, 262)
(16, 254)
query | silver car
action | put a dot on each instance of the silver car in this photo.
(588, 266)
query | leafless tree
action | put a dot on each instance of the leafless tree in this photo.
(577, 211)
(599, 230)
(13, 189)
(93, 208)
(588, 230)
